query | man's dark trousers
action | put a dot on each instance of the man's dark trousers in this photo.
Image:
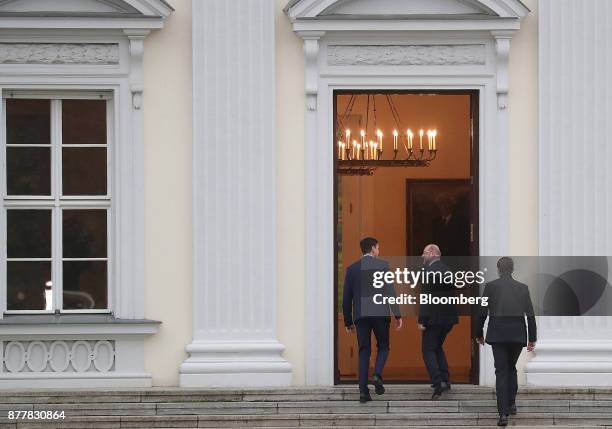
(506, 385)
(433, 353)
(365, 327)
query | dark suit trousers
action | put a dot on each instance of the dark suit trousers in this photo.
(365, 327)
(506, 355)
(433, 353)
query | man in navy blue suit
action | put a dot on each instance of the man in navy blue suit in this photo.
(363, 313)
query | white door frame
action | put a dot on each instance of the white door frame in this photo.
(489, 78)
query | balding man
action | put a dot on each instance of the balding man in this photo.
(436, 321)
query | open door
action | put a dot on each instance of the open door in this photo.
(406, 205)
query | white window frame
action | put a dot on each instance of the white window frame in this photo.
(56, 202)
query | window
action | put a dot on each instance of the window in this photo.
(57, 204)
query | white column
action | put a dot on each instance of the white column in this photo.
(234, 276)
(575, 182)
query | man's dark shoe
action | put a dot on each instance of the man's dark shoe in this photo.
(379, 388)
(513, 409)
(365, 397)
(446, 386)
(503, 421)
(437, 394)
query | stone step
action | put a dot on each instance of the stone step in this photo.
(309, 407)
(323, 394)
(476, 420)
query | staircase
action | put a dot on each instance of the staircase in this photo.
(402, 406)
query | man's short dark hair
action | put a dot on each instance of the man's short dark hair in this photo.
(505, 265)
(366, 245)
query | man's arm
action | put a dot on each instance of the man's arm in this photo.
(531, 321)
(347, 300)
(389, 291)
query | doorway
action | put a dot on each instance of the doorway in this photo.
(405, 205)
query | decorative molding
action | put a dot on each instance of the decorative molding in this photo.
(57, 356)
(406, 55)
(311, 55)
(59, 53)
(234, 293)
(321, 80)
(136, 39)
(502, 50)
(308, 12)
(73, 351)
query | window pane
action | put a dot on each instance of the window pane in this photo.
(28, 121)
(28, 170)
(26, 285)
(84, 121)
(84, 171)
(84, 233)
(28, 233)
(85, 285)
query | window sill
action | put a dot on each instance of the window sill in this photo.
(76, 324)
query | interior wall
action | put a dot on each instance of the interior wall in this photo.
(376, 205)
(168, 193)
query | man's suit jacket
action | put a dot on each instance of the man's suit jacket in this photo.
(509, 303)
(438, 314)
(357, 297)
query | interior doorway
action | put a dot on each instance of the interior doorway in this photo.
(405, 205)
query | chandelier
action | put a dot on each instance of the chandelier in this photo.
(361, 151)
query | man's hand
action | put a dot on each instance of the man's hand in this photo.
(531, 346)
(398, 324)
(350, 329)
(421, 327)
(480, 340)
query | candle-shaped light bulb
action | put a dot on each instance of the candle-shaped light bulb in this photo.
(435, 134)
(348, 134)
(421, 134)
(358, 150)
(339, 149)
(379, 134)
(395, 135)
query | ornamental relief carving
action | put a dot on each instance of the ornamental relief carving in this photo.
(57, 356)
(406, 55)
(59, 53)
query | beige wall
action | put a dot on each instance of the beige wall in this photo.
(167, 104)
(523, 144)
(291, 235)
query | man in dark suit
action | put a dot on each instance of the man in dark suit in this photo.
(509, 303)
(362, 312)
(436, 320)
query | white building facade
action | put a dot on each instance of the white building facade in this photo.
(163, 175)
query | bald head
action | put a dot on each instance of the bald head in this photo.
(431, 253)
